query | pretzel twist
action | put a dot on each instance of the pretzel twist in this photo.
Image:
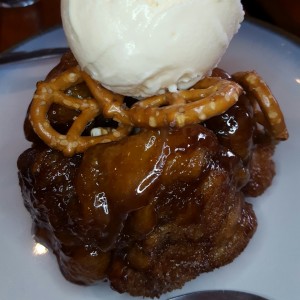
(270, 114)
(72, 142)
(208, 98)
(112, 104)
(211, 96)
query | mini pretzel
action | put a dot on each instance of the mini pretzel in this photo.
(209, 97)
(112, 104)
(254, 85)
(51, 92)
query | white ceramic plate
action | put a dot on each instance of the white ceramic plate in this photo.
(270, 265)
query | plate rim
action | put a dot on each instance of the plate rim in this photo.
(275, 29)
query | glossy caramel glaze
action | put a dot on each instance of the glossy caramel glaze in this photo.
(123, 206)
(119, 178)
(153, 210)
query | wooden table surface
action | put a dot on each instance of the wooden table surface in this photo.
(18, 24)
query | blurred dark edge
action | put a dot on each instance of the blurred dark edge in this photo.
(254, 9)
(281, 13)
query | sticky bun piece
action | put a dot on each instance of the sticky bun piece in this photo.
(156, 207)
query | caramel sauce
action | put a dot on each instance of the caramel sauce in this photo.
(117, 178)
(153, 210)
(235, 128)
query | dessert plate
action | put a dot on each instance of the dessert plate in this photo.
(270, 265)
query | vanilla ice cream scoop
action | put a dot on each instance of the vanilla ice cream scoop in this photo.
(141, 48)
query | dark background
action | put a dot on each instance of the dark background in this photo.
(281, 13)
(18, 24)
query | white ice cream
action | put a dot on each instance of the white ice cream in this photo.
(141, 48)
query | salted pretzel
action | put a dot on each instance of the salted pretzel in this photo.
(113, 106)
(269, 113)
(208, 98)
(72, 142)
(211, 96)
